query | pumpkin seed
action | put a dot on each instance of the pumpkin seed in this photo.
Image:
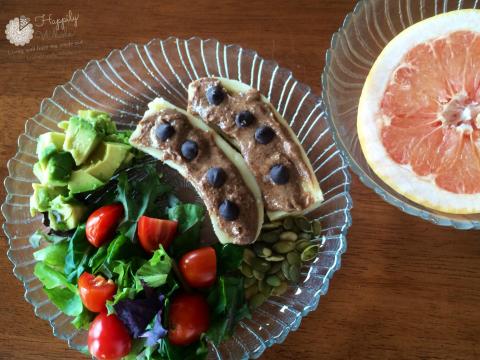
(283, 247)
(261, 250)
(288, 223)
(260, 265)
(306, 236)
(270, 237)
(286, 269)
(294, 272)
(281, 289)
(301, 245)
(293, 258)
(275, 258)
(264, 288)
(275, 268)
(257, 300)
(281, 276)
(273, 280)
(272, 225)
(246, 270)
(303, 224)
(249, 282)
(258, 274)
(248, 256)
(310, 252)
(317, 227)
(288, 236)
(251, 291)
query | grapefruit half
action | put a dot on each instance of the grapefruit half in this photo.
(419, 113)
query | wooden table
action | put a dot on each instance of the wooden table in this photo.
(407, 289)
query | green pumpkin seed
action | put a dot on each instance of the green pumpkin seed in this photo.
(276, 266)
(288, 236)
(257, 300)
(246, 270)
(283, 247)
(273, 280)
(286, 269)
(317, 227)
(310, 252)
(270, 237)
(301, 245)
(306, 236)
(280, 275)
(251, 291)
(258, 275)
(275, 258)
(293, 258)
(249, 282)
(294, 272)
(248, 256)
(281, 289)
(288, 223)
(261, 250)
(260, 265)
(303, 224)
(264, 288)
(272, 225)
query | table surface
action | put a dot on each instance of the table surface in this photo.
(407, 288)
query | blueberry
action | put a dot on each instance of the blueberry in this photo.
(229, 210)
(189, 150)
(244, 119)
(216, 176)
(264, 134)
(215, 95)
(279, 174)
(164, 131)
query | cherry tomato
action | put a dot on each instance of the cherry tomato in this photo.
(154, 232)
(102, 224)
(108, 338)
(188, 318)
(199, 267)
(95, 291)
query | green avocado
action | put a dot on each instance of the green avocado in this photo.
(82, 181)
(42, 195)
(106, 160)
(65, 213)
(57, 169)
(48, 144)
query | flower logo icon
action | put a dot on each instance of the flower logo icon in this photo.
(19, 31)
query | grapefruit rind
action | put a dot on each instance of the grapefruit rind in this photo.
(420, 189)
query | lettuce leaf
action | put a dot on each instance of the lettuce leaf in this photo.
(190, 218)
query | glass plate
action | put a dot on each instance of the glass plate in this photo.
(122, 84)
(354, 49)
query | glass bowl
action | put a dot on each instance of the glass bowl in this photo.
(354, 49)
(122, 84)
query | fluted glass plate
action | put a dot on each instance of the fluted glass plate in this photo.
(122, 84)
(354, 49)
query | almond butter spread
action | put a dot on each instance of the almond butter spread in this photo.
(195, 150)
(271, 153)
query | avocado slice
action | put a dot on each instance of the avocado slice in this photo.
(81, 139)
(48, 144)
(56, 171)
(42, 195)
(65, 213)
(82, 181)
(106, 160)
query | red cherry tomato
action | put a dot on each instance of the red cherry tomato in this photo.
(95, 291)
(188, 318)
(199, 267)
(108, 338)
(154, 232)
(102, 224)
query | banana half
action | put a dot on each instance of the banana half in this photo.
(217, 172)
(267, 143)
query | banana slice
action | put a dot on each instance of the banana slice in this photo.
(214, 168)
(268, 145)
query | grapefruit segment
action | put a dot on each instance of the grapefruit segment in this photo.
(419, 113)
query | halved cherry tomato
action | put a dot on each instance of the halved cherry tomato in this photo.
(154, 232)
(95, 291)
(199, 267)
(108, 338)
(189, 317)
(102, 224)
